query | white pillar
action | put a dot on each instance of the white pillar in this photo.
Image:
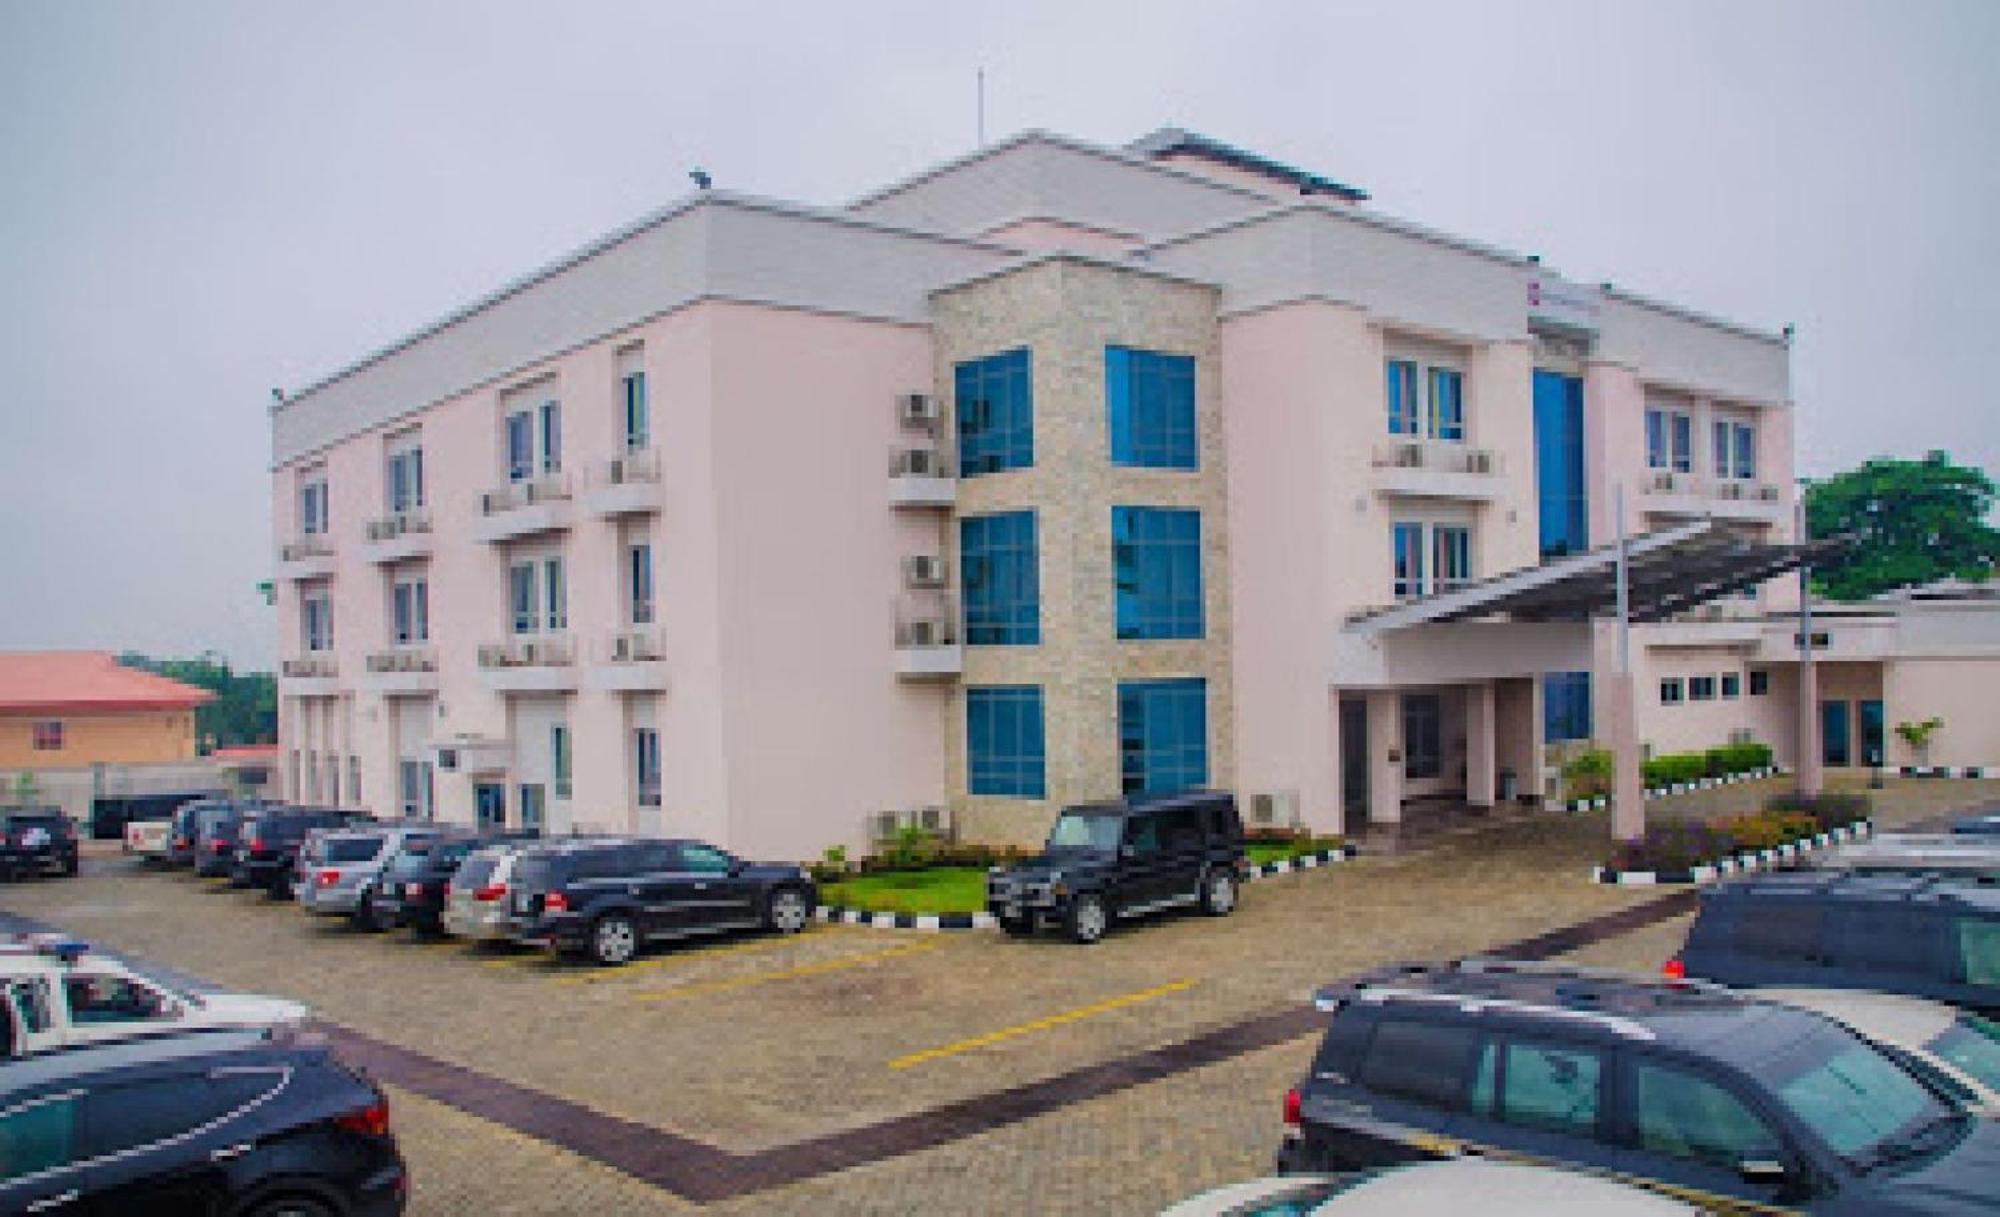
(1620, 714)
(1385, 756)
(1480, 764)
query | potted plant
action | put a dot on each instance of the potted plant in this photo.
(1918, 736)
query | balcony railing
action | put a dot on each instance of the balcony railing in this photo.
(1440, 456)
(642, 466)
(402, 659)
(634, 646)
(529, 651)
(402, 523)
(1732, 490)
(312, 545)
(549, 488)
(308, 667)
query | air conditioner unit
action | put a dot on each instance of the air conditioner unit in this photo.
(920, 463)
(882, 825)
(924, 570)
(1409, 456)
(620, 473)
(622, 648)
(917, 409)
(1478, 461)
(1275, 809)
(924, 633)
(934, 819)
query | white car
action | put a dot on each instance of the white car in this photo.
(59, 993)
(1964, 1047)
(148, 839)
(1455, 1187)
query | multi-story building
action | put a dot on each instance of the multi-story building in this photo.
(1054, 471)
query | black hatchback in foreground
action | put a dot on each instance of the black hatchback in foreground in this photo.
(245, 1123)
(604, 898)
(1738, 1105)
(1104, 861)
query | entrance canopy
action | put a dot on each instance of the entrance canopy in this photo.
(1670, 571)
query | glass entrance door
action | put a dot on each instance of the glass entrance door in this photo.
(1836, 744)
(1871, 732)
(534, 805)
(1354, 758)
(489, 801)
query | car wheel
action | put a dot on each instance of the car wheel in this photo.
(289, 1206)
(614, 940)
(1087, 919)
(786, 912)
(1019, 927)
(1218, 893)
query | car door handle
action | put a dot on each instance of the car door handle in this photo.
(53, 1202)
(232, 1151)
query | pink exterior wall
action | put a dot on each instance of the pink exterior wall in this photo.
(1614, 426)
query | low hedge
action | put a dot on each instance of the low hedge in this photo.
(1682, 845)
(908, 856)
(1681, 768)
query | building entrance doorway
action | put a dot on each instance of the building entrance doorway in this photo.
(1836, 745)
(1354, 759)
(489, 805)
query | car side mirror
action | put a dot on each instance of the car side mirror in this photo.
(1761, 1170)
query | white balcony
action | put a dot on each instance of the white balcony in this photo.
(625, 485)
(308, 557)
(393, 538)
(524, 509)
(402, 671)
(630, 661)
(529, 663)
(1683, 496)
(927, 643)
(921, 477)
(1437, 469)
(310, 675)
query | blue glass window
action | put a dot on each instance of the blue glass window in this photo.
(1563, 498)
(1156, 566)
(1003, 741)
(638, 420)
(1669, 440)
(520, 446)
(1149, 399)
(1565, 706)
(1162, 735)
(999, 579)
(1408, 545)
(1452, 557)
(994, 403)
(1447, 404)
(1402, 389)
(1746, 451)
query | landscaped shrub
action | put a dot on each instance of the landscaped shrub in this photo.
(1587, 775)
(1672, 768)
(1827, 810)
(1738, 758)
(1684, 845)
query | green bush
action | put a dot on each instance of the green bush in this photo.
(1737, 758)
(1587, 774)
(1672, 767)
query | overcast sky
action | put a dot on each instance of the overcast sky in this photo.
(200, 201)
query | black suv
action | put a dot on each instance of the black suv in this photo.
(249, 1123)
(1934, 936)
(190, 820)
(1733, 1103)
(268, 840)
(603, 898)
(37, 841)
(215, 844)
(1104, 861)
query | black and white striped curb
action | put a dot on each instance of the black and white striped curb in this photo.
(1743, 863)
(834, 914)
(1660, 792)
(1971, 772)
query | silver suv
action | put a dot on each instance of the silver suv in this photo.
(476, 903)
(338, 868)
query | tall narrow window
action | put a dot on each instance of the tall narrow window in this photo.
(555, 595)
(1423, 735)
(1452, 556)
(1162, 735)
(994, 404)
(312, 507)
(639, 583)
(1004, 752)
(406, 479)
(409, 602)
(999, 579)
(1656, 439)
(1156, 568)
(316, 621)
(521, 598)
(1746, 450)
(1402, 397)
(1566, 706)
(1720, 433)
(1149, 398)
(646, 765)
(550, 417)
(409, 789)
(354, 781)
(559, 759)
(520, 446)
(637, 419)
(1447, 404)
(1408, 552)
(1563, 497)
(1682, 432)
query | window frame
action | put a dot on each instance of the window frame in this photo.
(1701, 687)
(1673, 691)
(1729, 686)
(993, 412)
(1444, 427)
(1012, 715)
(999, 579)
(1759, 683)
(1150, 545)
(560, 761)
(1429, 764)
(640, 608)
(403, 476)
(635, 413)
(47, 735)
(647, 766)
(1163, 735)
(1151, 409)
(1400, 396)
(409, 610)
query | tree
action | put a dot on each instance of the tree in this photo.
(245, 709)
(1912, 522)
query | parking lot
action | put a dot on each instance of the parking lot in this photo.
(754, 1045)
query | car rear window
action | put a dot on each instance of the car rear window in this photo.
(336, 851)
(1424, 1063)
(414, 860)
(50, 822)
(475, 871)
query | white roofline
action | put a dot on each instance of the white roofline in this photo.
(1029, 261)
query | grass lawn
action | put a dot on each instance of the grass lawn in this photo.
(944, 889)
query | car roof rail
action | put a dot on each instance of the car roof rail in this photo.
(1470, 1003)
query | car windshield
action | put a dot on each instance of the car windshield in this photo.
(1972, 1044)
(1096, 831)
(1861, 1103)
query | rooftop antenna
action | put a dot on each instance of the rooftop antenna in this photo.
(982, 107)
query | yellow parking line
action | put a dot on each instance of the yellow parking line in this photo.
(518, 961)
(675, 957)
(1040, 1024)
(805, 969)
